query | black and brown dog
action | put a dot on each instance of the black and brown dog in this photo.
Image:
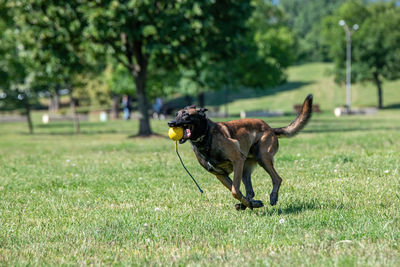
(237, 146)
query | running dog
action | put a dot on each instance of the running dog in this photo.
(237, 146)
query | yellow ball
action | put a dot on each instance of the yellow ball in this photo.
(175, 133)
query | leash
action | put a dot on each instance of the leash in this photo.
(176, 150)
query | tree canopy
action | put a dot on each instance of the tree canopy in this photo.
(166, 35)
(265, 50)
(305, 18)
(375, 46)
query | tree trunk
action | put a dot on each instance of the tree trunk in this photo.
(379, 86)
(57, 100)
(74, 113)
(54, 104)
(51, 103)
(28, 113)
(201, 99)
(138, 69)
(139, 73)
(115, 107)
(188, 100)
(144, 120)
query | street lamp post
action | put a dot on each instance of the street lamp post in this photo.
(349, 33)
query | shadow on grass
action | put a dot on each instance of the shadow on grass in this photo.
(393, 106)
(291, 209)
(95, 132)
(154, 135)
(342, 125)
(86, 128)
(297, 208)
(71, 133)
(149, 136)
(357, 129)
(221, 97)
(350, 125)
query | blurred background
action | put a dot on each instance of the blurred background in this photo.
(78, 60)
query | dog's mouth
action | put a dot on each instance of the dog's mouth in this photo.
(187, 129)
(187, 132)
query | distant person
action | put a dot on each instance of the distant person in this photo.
(126, 103)
(157, 108)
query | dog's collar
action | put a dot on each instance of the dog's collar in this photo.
(203, 143)
(201, 138)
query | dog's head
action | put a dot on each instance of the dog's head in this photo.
(192, 120)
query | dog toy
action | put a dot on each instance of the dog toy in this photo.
(176, 134)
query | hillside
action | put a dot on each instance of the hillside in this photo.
(312, 78)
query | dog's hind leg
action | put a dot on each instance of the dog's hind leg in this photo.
(266, 162)
(266, 150)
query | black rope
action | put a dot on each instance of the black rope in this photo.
(176, 150)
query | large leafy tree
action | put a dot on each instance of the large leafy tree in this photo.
(165, 35)
(265, 51)
(375, 46)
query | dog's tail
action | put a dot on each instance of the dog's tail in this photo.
(299, 123)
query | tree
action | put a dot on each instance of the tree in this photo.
(16, 65)
(378, 46)
(264, 53)
(269, 47)
(375, 46)
(52, 32)
(305, 18)
(165, 35)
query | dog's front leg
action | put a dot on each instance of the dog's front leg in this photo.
(237, 179)
(226, 181)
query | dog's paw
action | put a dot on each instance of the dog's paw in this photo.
(257, 203)
(273, 198)
(240, 206)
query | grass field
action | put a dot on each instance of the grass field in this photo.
(103, 198)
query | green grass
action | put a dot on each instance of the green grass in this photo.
(103, 198)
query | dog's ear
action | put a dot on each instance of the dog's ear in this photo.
(202, 111)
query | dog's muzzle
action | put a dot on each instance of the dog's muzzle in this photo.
(172, 123)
